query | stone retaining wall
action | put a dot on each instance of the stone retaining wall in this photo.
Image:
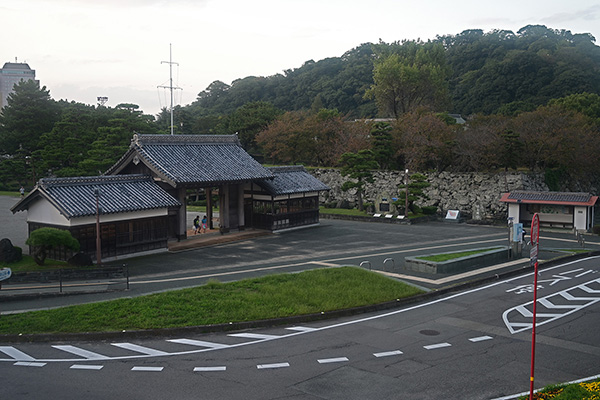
(476, 195)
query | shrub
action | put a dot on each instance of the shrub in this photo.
(429, 210)
(596, 230)
(45, 239)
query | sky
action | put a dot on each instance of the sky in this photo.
(121, 49)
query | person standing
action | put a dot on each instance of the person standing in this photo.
(204, 222)
(196, 224)
(22, 191)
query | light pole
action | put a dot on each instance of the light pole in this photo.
(406, 193)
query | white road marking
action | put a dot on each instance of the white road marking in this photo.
(199, 343)
(87, 367)
(437, 346)
(480, 339)
(323, 328)
(148, 369)
(388, 353)
(210, 369)
(332, 360)
(273, 366)
(16, 354)
(29, 364)
(90, 355)
(253, 336)
(524, 316)
(140, 349)
(301, 329)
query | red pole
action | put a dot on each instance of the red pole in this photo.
(535, 239)
(533, 330)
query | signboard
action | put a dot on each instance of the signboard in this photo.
(517, 232)
(5, 273)
(535, 228)
(452, 214)
(533, 255)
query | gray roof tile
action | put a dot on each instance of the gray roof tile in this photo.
(75, 197)
(292, 180)
(196, 159)
(567, 197)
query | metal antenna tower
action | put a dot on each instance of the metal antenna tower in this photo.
(170, 87)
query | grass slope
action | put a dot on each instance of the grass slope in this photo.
(215, 303)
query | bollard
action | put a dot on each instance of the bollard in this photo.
(60, 279)
(365, 262)
(393, 264)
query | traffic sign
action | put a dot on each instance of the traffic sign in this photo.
(535, 228)
(533, 255)
(5, 273)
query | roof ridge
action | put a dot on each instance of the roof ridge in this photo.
(141, 139)
(100, 179)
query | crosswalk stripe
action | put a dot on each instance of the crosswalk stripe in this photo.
(90, 355)
(140, 349)
(199, 343)
(16, 354)
(253, 336)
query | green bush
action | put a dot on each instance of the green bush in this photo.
(429, 210)
(596, 230)
(45, 239)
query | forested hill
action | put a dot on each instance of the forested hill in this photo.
(497, 71)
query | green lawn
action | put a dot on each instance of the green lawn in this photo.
(215, 303)
(27, 264)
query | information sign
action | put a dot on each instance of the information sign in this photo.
(5, 273)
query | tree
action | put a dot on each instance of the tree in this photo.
(415, 76)
(586, 103)
(359, 167)
(416, 184)
(424, 141)
(382, 145)
(247, 121)
(45, 239)
(29, 113)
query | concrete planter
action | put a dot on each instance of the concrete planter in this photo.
(460, 264)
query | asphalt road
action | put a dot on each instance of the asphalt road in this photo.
(474, 344)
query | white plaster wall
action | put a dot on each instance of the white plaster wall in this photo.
(513, 211)
(42, 211)
(581, 218)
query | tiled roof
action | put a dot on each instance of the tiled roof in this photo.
(567, 198)
(75, 197)
(194, 159)
(291, 180)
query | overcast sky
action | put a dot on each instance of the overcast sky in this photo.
(82, 49)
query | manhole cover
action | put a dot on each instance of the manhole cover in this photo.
(429, 332)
